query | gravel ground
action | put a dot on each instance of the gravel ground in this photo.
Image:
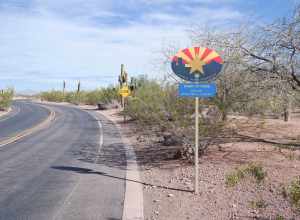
(168, 183)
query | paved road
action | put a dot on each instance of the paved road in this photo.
(23, 116)
(75, 169)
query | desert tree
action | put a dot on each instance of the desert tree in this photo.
(273, 53)
(236, 85)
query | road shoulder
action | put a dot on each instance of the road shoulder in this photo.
(133, 204)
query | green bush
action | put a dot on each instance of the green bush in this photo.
(251, 169)
(293, 193)
(103, 95)
(231, 179)
(148, 105)
(279, 217)
(158, 108)
(234, 178)
(52, 96)
(6, 97)
(256, 171)
(155, 105)
(259, 204)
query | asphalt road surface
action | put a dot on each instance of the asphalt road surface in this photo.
(74, 169)
(23, 116)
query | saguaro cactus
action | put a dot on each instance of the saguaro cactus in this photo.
(64, 87)
(123, 81)
(123, 76)
(78, 87)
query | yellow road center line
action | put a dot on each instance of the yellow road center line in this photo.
(29, 131)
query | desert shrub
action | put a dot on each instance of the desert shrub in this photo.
(251, 169)
(109, 94)
(6, 97)
(150, 105)
(258, 204)
(297, 100)
(234, 178)
(293, 193)
(52, 96)
(279, 217)
(103, 95)
(76, 97)
(261, 105)
(256, 171)
(159, 105)
(231, 179)
(93, 97)
(70, 97)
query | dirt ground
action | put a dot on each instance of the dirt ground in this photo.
(169, 183)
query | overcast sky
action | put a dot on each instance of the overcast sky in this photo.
(43, 42)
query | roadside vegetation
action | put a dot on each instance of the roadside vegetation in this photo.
(6, 97)
(94, 97)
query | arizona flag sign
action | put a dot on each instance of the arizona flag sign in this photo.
(197, 64)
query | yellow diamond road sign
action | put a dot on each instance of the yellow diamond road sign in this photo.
(124, 91)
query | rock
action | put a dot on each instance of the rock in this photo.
(156, 200)
(177, 155)
(187, 183)
(141, 138)
(190, 150)
(170, 195)
(253, 211)
(102, 106)
(170, 139)
(156, 212)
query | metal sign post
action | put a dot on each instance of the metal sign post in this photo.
(203, 90)
(124, 93)
(124, 116)
(196, 145)
(197, 64)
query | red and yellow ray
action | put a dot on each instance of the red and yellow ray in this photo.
(197, 57)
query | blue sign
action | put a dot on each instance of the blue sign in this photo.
(203, 90)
